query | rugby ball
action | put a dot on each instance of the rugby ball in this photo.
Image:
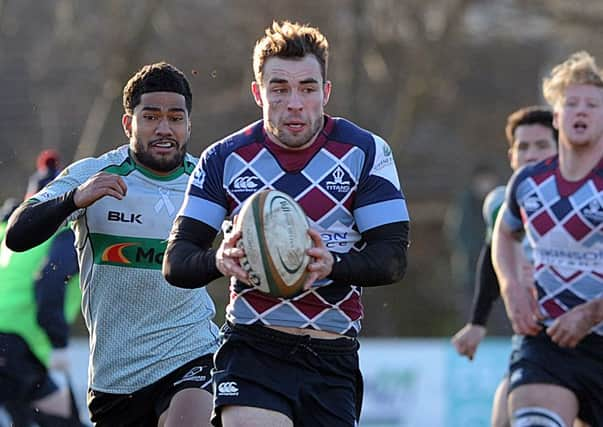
(274, 236)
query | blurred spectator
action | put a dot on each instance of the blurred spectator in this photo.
(47, 168)
(39, 298)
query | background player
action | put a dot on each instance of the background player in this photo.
(39, 298)
(556, 371)
(151, 344)
(532, 138)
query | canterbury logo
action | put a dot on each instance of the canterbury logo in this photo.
(228, 389)
(245, 183)
(114, 253)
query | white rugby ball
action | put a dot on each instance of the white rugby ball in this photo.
(274, 236)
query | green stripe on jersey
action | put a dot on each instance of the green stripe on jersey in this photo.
(133, 252)
(129, 165)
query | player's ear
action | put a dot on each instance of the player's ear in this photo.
(257, 93)
(326, 92)
(126, 123)
(556, 120)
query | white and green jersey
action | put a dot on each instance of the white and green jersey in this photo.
(490, 208)
(141, 328)
(492, 204)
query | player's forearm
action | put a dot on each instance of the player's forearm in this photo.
(381, 262)
(33, 223)
(189, 260)
(486, 288)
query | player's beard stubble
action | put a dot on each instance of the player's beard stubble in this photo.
(166, 163)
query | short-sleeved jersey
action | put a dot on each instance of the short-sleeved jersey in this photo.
(563, 222)
(490, 209)
(141, 328)
(346, 182)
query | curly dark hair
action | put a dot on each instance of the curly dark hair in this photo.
(158, 77)
(532, 115)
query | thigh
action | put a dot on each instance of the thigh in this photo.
(244, 377)
(500, 417)
(246, 416)
(557, 399)
(537, 360)
(188, 407)
(193, 377)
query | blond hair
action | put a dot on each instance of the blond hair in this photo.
(580, 68)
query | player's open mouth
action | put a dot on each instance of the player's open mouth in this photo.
(580, 126)
(163, 145)
(295, 126)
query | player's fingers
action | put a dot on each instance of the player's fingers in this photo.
(536, 313)
(234, 269)
(316, 239)
(561, 336)
(113, 193)
(235, 252)
(233, 239)
(122, 185)
(524, 325)
(312, 277)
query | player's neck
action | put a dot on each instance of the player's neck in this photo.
(576, 162)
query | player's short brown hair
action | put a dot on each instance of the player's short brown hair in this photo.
(290, 40)
(532, 115)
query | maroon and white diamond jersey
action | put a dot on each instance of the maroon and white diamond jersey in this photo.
(346, 182)
(563, 221)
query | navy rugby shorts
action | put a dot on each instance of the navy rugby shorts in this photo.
(144, 407)
(314, 382)
(536, 359)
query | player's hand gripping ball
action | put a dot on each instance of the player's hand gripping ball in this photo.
(274, 236)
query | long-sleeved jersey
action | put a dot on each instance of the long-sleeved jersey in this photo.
(141, 328)
(347, 184)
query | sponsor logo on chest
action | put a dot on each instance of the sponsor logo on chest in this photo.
(338, 183)
(531, 204)
(593, 211)
(124, 217)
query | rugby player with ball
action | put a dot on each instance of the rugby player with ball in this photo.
(293, 359)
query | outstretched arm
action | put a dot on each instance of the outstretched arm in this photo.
(34, 222)
(486, 291)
